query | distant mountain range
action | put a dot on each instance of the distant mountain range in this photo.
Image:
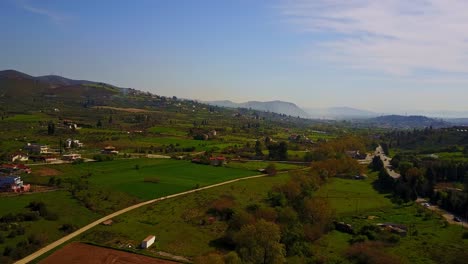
(340, 113)
(279, 107)
(15, 85)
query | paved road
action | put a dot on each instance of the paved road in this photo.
(99, 221)
(386, 160)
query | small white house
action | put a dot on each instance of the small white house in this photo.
(71, 157)
(148, 241)
(19, 157)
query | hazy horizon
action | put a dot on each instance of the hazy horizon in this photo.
(385, 56)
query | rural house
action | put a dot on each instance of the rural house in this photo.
(218, 161)
(37, 148)
(21, 157)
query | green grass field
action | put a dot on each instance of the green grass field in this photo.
(27, 118)
(69, 211)
(350, 196)
(357, 203)
(176, 222)
(174, 176)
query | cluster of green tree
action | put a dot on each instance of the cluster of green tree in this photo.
(336, 148)
(285, 226)
(419, 178)
(246, 151)
(427, 140)
(37, 210)
(372, 252)
(23, 248)
(277, 151)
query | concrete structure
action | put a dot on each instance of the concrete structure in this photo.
(148, 241)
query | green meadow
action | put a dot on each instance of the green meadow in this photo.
(128, 175)
(176, 222)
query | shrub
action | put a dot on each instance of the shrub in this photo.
(67, 228)
(465, 235)
(271, 169)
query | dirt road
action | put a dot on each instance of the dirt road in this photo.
(448, 216)
(115, 214)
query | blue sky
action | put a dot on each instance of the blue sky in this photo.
(386, 56)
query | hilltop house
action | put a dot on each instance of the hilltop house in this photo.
(36, 148)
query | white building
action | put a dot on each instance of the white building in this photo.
(71, 157)
(148, 241)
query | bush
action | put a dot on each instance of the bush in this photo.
(271, 169)
(465, 235)
(67, 228)
(358, 239)
(100, 158)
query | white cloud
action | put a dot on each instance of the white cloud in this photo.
(54, 16)
(396, 37)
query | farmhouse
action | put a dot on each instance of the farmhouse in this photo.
(109, 150)
(37, 148)
(18, 156)
(71, 157)
(44, 158)
(13, 184)
(148, 241)
(218, 161)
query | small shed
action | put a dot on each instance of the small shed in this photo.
(148, 241)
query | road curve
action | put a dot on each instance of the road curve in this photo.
(115, 214)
